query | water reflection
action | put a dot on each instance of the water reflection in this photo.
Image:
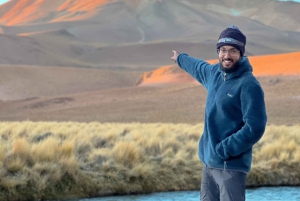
(255, 194)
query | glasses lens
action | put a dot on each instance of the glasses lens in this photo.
(232, 52)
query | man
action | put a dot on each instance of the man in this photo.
(235, 116)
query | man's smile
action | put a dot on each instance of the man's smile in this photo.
(227, 62)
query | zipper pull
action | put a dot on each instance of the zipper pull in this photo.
(225, 165)
(224, 77)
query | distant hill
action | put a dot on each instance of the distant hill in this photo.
(133, 33)
(266, 65)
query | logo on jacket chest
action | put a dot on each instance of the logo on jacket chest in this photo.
(229, 95)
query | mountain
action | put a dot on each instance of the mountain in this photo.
(92, 33)
(109, 60)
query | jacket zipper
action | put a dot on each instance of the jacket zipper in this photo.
(225, 77)
(225, 165)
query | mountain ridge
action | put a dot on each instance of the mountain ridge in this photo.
(280, 15)
(131, 34)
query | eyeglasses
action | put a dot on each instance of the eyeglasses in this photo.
(232, 52)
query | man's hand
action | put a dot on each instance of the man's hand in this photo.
(174, 58)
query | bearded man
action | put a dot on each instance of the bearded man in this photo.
(235, 116)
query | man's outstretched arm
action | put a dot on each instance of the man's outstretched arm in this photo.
(197, 68)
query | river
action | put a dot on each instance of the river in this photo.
(252, 194)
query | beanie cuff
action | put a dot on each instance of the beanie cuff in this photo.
(231, 41)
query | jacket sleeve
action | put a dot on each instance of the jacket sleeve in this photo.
(254, 117)
(199, 69)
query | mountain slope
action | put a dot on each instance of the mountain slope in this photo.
(126, 33)
(266, 65)
(280, 15)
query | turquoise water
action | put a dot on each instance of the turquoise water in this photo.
(235, 12)
(298, 1)
(255, 194)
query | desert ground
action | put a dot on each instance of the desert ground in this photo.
(109, 61)
(166, 94)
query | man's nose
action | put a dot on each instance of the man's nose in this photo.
(227, 54)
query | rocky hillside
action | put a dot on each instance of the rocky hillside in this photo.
(132, 33)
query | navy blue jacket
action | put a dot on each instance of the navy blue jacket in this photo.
(235, 115)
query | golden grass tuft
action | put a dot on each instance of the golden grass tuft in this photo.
(13, 163)
(126, 153)
(66, 149)
(46, 150)
(21, 147)
(3, 149)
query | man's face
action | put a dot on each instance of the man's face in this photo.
(229, 57)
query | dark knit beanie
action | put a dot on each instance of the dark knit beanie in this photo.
(234, 37)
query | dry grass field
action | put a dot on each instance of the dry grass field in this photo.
(51, 160)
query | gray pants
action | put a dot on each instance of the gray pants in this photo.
(222, 185)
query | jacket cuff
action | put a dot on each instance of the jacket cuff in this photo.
(178, 58)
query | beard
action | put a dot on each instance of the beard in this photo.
(233, 68)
